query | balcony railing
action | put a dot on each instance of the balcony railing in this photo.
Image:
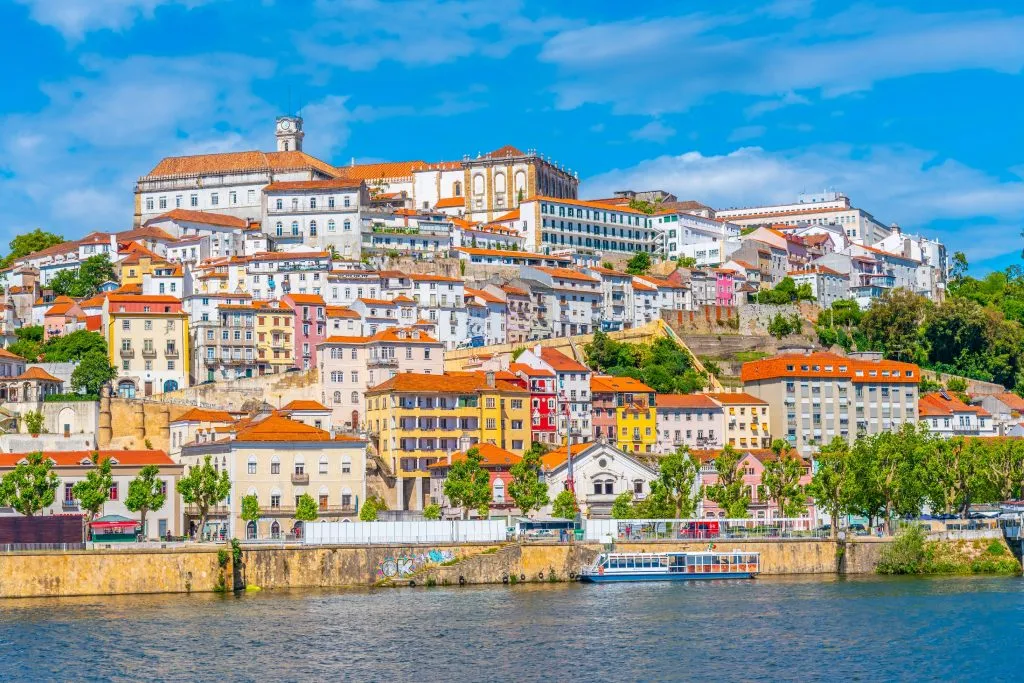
(127, 353)
(171, 352)
(69, 506)
(214, 511)
(149, 353)
(382, 363)
(300, 478)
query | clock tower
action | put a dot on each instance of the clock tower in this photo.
(289, 134)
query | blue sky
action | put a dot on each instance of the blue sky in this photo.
(913, 109)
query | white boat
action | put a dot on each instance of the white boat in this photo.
(673, 566)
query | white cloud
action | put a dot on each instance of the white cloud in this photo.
(747, 133)
(910, 186)
(653, 131)
(623, 63)
(360, 34)
(75, 18)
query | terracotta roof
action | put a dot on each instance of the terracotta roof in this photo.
(824, 365)
(608, 271)
(204, 217)
(514, 291)
(560, 362)
(278, 428)
(228, 162)
(696, 401)
(937, 405)
(450, 203)
(94, 323)
(341, 312)
(126, 298)
(738, 398)
(554, 459)
(565, 274)
(305, 405)
(490, 456)
(432, 278)
(205, 415)
(639, 284)
(1011, 401)
(505, 151)
(38, 373)
(76, 458)
(411, 336)
(314, 299)
(512, 215)
(61, 305)
(343, 183)
(485, 296)
(387, 169)
(4, 353)
(609, 384)
(449, 382)
(530, 371)
(478, 251)
(378, 302)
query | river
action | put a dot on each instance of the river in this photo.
(870, 629)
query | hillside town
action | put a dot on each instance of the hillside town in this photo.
(330, 339)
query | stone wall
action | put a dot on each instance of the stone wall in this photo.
(113, 572)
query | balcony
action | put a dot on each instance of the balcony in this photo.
(127, 353)
(382, 363)
(214, 511)
(300, 478)
(171, 352)
(69, 506)
(289, 237)
(278, 511)
(149, 353)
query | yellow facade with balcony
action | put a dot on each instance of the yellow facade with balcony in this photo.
(746, 420)
(275, 327)
(636, 429)
(417, 419)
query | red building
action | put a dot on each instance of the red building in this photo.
(543, 410)
(310, 326)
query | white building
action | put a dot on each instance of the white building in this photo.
(572, 299)
(572, 387)
(827, 208)
(946, 415)
(441, 300)
(682, 229)
(600, 473)
(827, 285)
(272, 274)
(320, 214)
(588, 227)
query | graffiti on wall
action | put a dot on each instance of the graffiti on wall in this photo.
(407, 563)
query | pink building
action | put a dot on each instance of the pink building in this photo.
(498, 463)
(63, 317)
(310, 326)
(692, 420)
(725, 287)
(752, 466)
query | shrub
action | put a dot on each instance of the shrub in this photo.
(905, 555)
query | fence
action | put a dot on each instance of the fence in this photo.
(31, 547)
(698, 529)
(319, 533)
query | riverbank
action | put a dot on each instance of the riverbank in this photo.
(213, 568)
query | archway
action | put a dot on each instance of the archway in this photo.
(170, 385)
(275, 530)
(250, 531)
(126, 389)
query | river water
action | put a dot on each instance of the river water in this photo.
(868, 629)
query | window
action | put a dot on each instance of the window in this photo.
(275, 466)
(300, 467)
(275, 502)
(214, 199)
(113, 491)
(346, 465)
(323, 464)
(252, 464)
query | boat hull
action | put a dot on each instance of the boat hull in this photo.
(675, 576)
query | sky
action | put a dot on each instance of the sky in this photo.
(913, 109)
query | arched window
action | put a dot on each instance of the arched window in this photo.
(478, 184)
(295, 227)
(355, 397)
(457, 189)
(330, 225)
(323, 468)
(275, 530)
(499, 491)
(252, 464)
(499, 183)
(280, 228)
(312, 228)
(346, 465)
(279, 204)
(250, 531)
(520, 185)
(312, 202)
(347, 225)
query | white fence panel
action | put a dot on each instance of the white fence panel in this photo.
(383, 533)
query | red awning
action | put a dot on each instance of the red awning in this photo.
(114, 525)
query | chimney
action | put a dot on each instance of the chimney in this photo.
(490, 378)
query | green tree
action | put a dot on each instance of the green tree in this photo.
(889, 472)
(31, 486)
(639, 263)
(251, 509)
(203, 487)
(146, 494)
(34, 422)
(74, 347)
(954, 472)
(468, 485)
(780, 481)
(622, 506)
(92, 372)
(658, 504)
(832, 483)
(565, 505)
(528, 488)
(892, 324)
(686, 262)
(371, 508)
(780, 326)
(958, 267)
(29, 342)
(729, 491)
(306, 508)
(84, 281)
(677, 473)
(29, 243)
(94, 491)
(1003, 469)
(432, 512)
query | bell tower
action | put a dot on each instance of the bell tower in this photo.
(289, 133)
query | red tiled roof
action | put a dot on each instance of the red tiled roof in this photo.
(449, 382)
(229, 162)
(560, 362)
(204, 217)
(490, 456)
(279, 428)
(565, 274)
(701, 401)
(450, 203)
(554, 459)
(608, 384)
(76, 458)
(205, 415)
(937, 405)
(825, 365)
(737, 398)
(530, 371)
(38, 373)
(305, 405)
(342, 183)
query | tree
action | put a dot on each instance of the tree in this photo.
(204, 488)
(565, 506)
(892, 324)
(831, 485)
(84, 281)
(371, 508)
(954, 472)
(92, 372)
(29, 344)
(686, 262)
(251, 509)
(889, 473)
(468, 485)
(677, 473)
(29, 243)
(622, 506)
(730, 492)
(432, 512)
(528, 488)
(958, 267)
(31, 486)
(1003, 469)
(306, 509)
(34, 422)
(72, 348)
(639, 263)
(658, 504)
(146, 494)
(780, 481)
(93, 491)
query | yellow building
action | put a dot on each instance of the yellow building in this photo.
(275, 325)
(139, 261)
(417, 419)
(147, 339)
(624, 413)
(746, 420)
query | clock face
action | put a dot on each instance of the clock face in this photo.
(286, 125)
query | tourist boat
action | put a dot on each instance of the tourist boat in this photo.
(678, 566)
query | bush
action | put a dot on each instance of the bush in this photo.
(222, 558)
(905, 555)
